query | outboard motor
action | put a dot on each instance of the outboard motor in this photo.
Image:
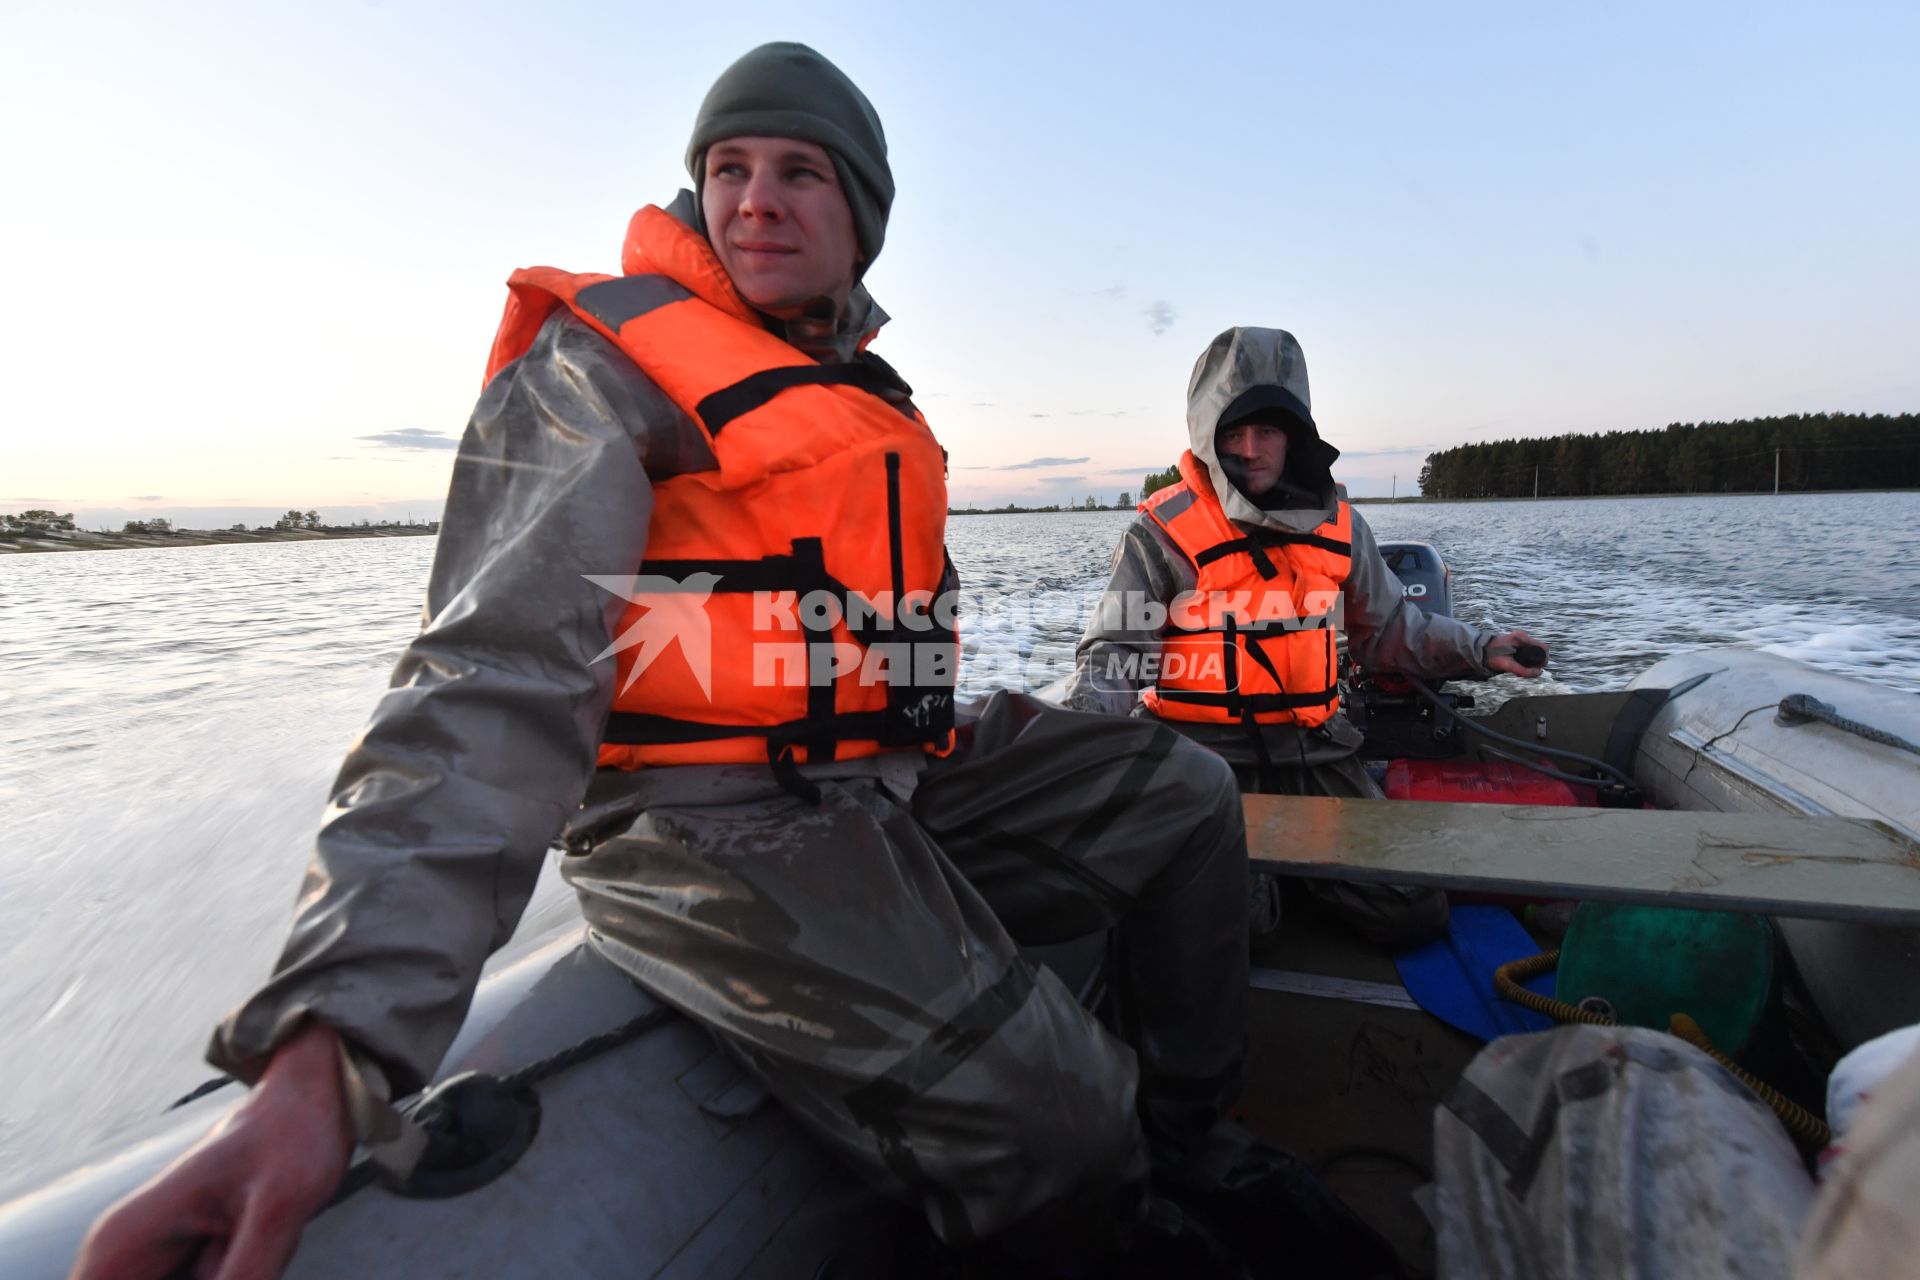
(1383, 705)
(1424, 575)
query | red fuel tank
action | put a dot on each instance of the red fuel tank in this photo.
(1474, 782)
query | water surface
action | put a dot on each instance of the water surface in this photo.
(170, 721)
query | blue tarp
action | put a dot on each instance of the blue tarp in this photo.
(1452, 977)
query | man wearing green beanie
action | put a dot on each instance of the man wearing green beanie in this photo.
(789, 91)
(838, 895)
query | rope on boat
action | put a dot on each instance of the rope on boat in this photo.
(1798, 708)
(1800, 1122)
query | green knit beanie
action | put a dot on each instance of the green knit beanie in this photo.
(786, 90)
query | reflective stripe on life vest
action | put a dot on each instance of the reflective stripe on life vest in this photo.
(1254, 641)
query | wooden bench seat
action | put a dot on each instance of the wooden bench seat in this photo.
(1770, 864)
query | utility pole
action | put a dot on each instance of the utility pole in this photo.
(1536, 482)
(1393, 491)
(1776, 473)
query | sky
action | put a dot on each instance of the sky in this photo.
(257, 253)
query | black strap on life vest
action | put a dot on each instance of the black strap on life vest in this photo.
(868, 373)
(642, 729)
(803, 570)
(1244, 705)
(1235, 703)
(914, 713)
(1256, 539)
(1261, 630)
(1231, 665)
(1259, 655)
(615, 302)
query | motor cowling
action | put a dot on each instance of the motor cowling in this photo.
(1424, 576)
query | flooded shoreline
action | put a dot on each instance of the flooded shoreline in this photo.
(84, 540)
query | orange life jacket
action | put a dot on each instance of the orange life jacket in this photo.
(819, 536)
(1254, 642)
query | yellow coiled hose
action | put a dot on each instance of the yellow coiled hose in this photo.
(1800, 1122)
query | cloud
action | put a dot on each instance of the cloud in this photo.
(1160, 316)
(414, 438)
(1031, 464)
(1128, 471)
(1113, 293)
(147, 497)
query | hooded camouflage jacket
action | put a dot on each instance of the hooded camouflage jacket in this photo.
(1239, 373)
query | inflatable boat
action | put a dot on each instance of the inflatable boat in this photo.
(598, 1134)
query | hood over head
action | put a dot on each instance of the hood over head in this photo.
(787, 90)
(1260, 375)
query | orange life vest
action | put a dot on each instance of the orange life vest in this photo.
(1254, 642)
(813, 553)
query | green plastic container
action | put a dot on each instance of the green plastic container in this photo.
(1652, 962)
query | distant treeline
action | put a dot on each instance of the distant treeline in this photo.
(1158, 480)
(1815, 451)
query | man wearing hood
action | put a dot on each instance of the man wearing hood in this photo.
(832, 874)
(1226, 593)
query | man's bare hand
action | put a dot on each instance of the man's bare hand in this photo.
(234, 1204)
(1500, 654)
